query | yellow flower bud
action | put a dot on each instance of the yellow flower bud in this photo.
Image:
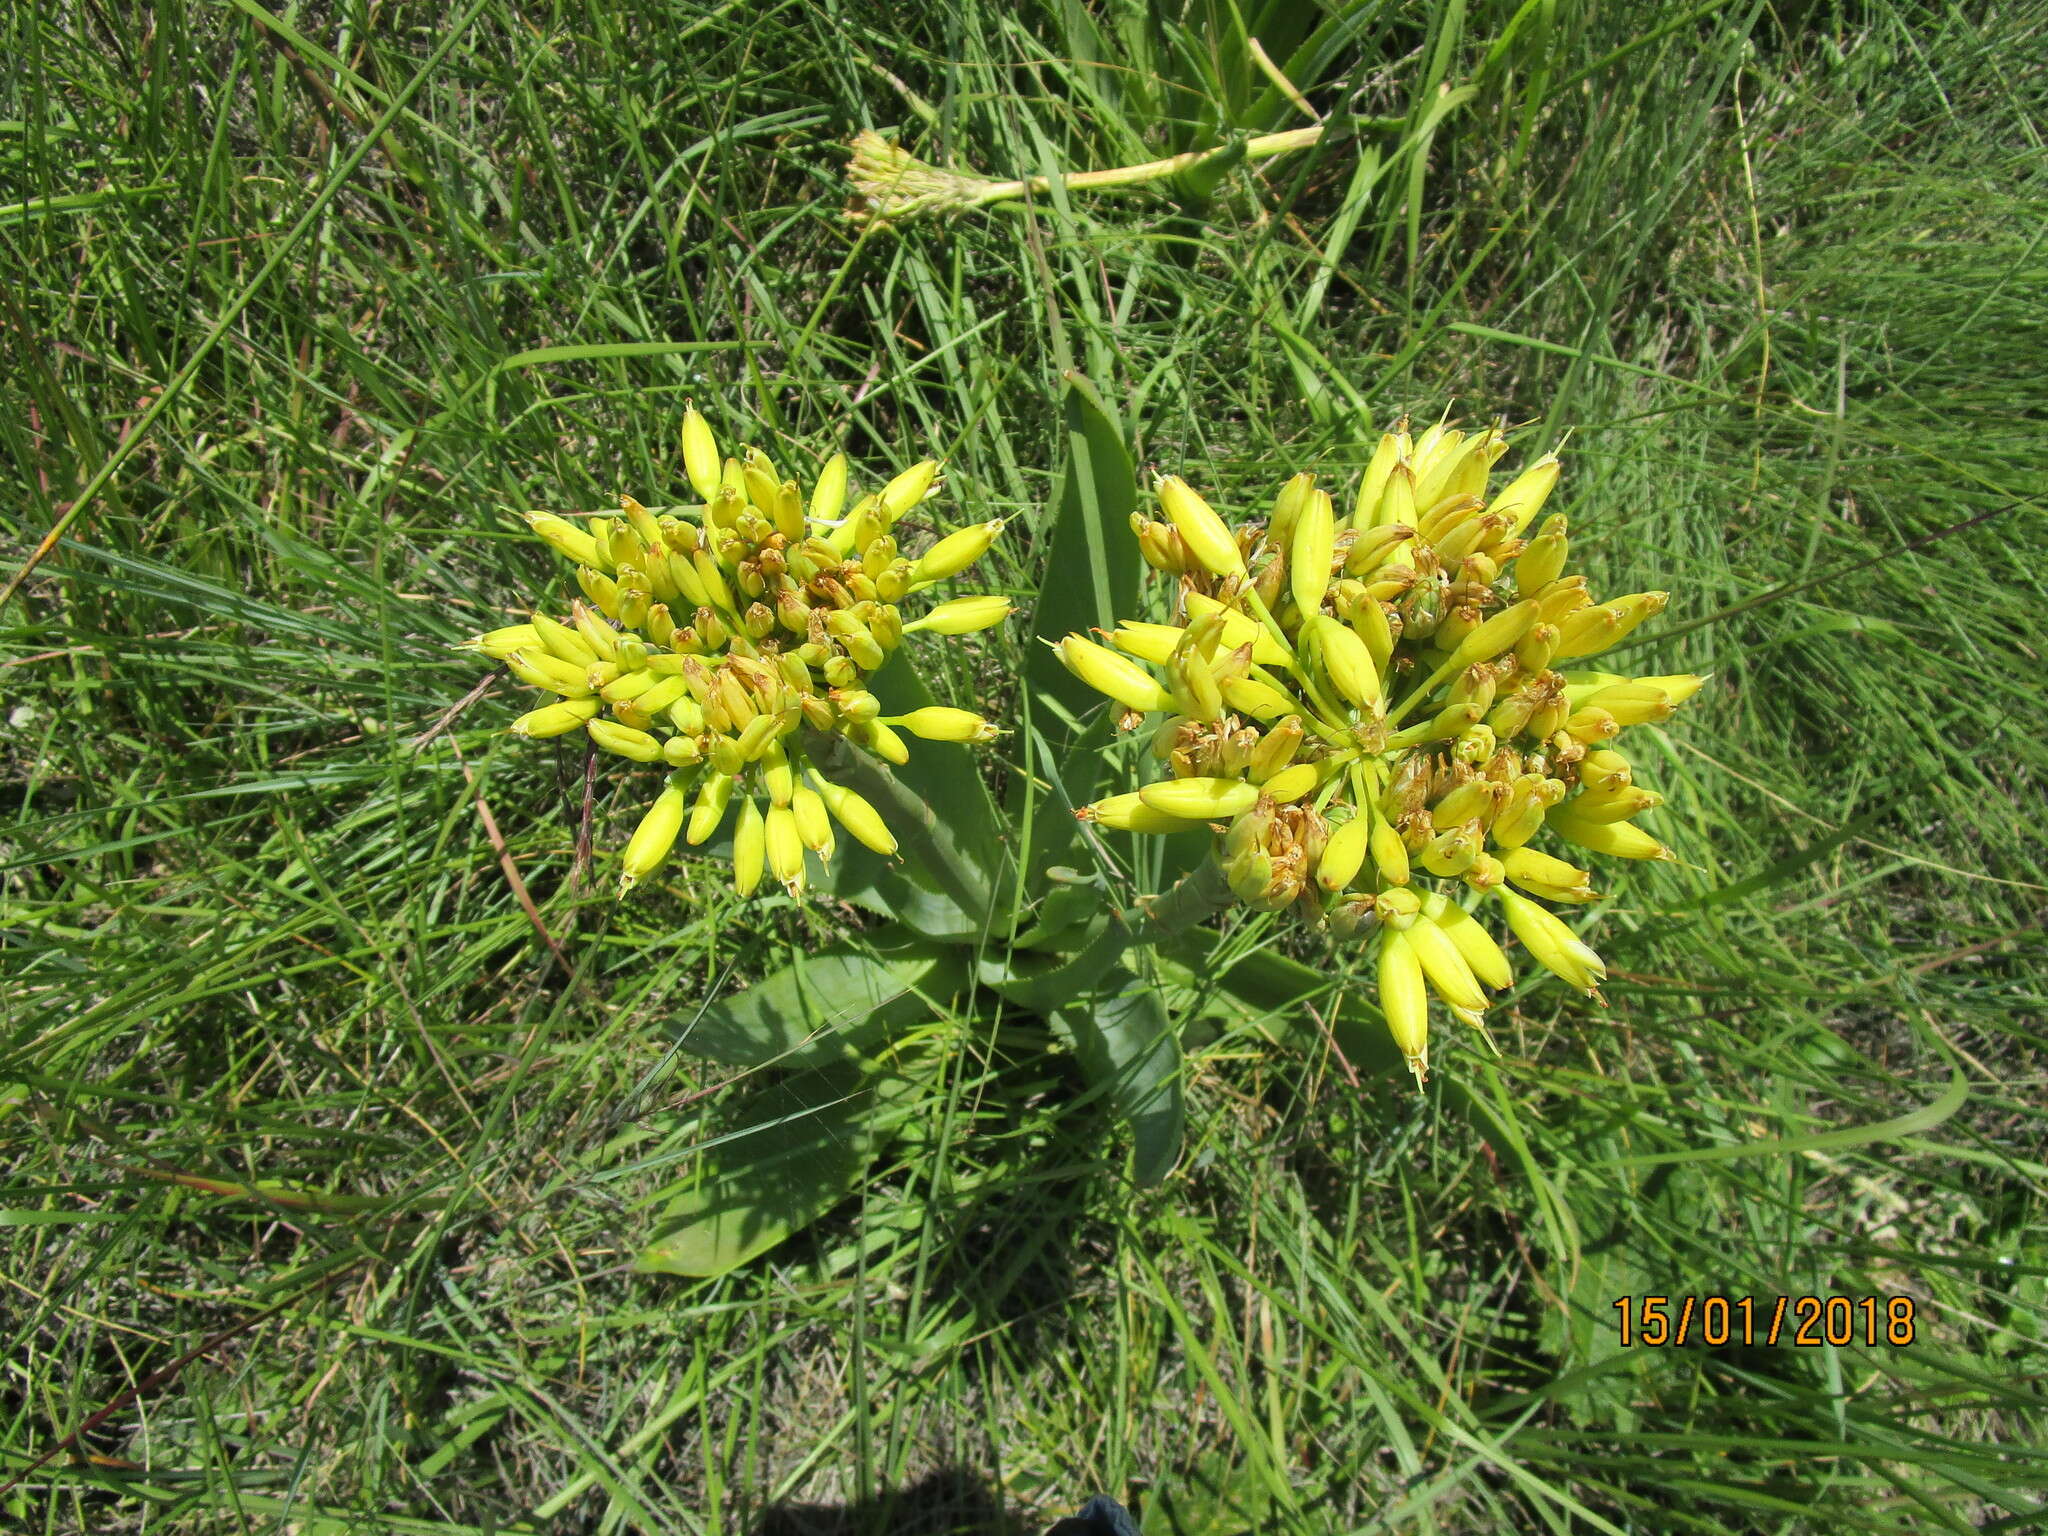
(1633, 703)
(1196, 693)
(701, 461)
(1554, 945)
(1148, 642)
(1488, 961)
(565, 538)
(1624, 804)
(1389, 853)
(1605, 771)
(749, 847)
(1291, 783)
(1110, 674)
(963, 615)
(1616, 839)
(954, 553)
(907, 490)
(1541, 875)
(1310, 552)
(1444, 965)
(813, 821)
(884, 743)
(1677, 686)
(1129, 813)
(562, 641)
(1372, 488)
(784, 848)
(1287, 506)
(856, 815)
(1526, 493)
(1499, 633)
(1241, 629)
(653, 838)
(499, 644)
(828, 496)
(1262, 701)
(709, 808)
(556, 719)
(540, 670)
(1542, 562)
(1207, 537)
(1344, 854)
(623, 740)
(936, 723)
(1200, 799)
(1404, 1000)
(1346, 658)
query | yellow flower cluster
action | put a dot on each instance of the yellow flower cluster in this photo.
(1365, 707)
(711, 636)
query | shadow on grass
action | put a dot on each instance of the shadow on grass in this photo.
(952, 1502)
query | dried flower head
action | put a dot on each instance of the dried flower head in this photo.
(709, 637)
(1380, 714)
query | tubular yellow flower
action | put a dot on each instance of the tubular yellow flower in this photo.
(1344, 855)
(910, 488)
(1347, 660)
(1445, 968)
(1541, 875)
(1525, 494)
(1487, 960)
(813, 821)
(1616, 839)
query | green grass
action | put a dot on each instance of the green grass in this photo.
(1777, 272)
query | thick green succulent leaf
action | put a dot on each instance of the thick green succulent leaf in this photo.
(1045, 982)
(794, 1150)
(834, 1005)
(1126, 1045)
(1092, 573)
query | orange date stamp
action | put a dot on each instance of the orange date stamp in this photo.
(1805, 1322)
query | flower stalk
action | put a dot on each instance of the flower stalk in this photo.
(891, 184)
